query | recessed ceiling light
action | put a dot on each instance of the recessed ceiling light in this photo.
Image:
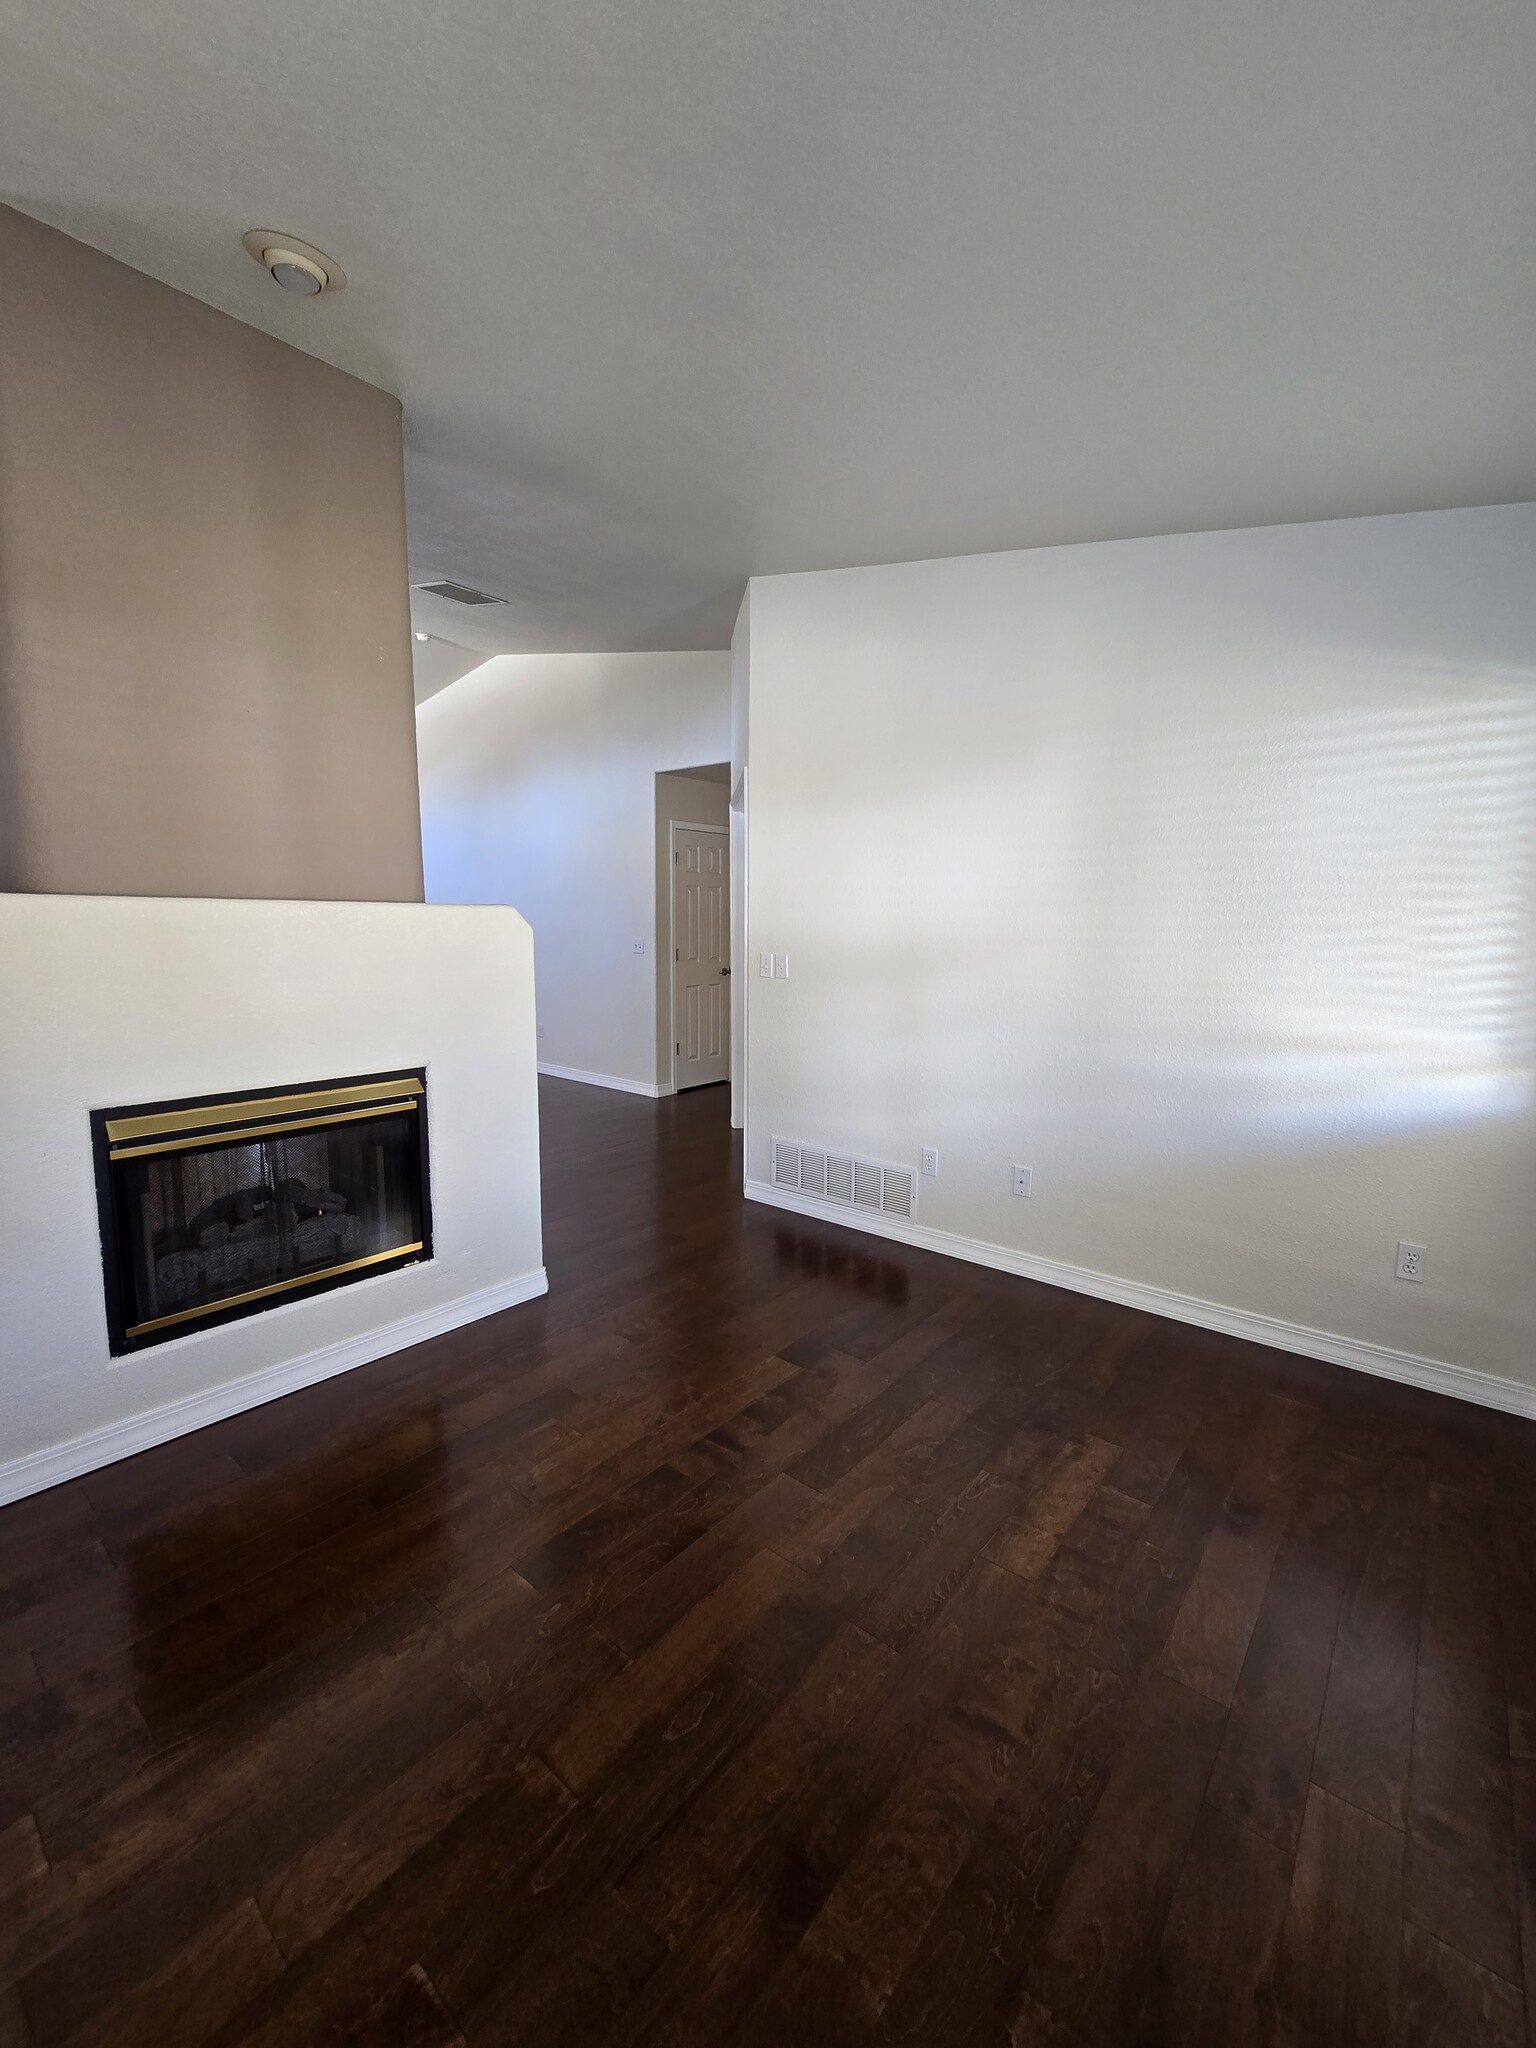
(293, 264)
(423, 636)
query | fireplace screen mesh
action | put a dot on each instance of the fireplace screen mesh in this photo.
(218, 1208)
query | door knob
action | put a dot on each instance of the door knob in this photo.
(724, 972)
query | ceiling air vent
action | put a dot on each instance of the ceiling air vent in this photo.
(856, 1183)
(459, 593)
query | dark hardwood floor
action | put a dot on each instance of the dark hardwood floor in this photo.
(775, 1637)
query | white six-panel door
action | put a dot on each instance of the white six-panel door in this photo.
(701, 954)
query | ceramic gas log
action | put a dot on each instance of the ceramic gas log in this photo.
(224, 1206)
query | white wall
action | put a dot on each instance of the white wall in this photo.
(1198, 873)
(109, 1001)
(741, 705)
(538, 788)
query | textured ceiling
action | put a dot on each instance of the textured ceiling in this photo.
(675, 292)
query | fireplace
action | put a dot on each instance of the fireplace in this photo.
(221, 1206)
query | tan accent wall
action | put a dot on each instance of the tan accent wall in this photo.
(205, 674)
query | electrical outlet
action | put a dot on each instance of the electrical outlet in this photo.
(781, 967)
(765, 965)
(639, 945)
(1024, 1180)
(930, 1161)
(1410, 1261)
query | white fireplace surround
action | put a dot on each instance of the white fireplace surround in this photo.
(108, 1000)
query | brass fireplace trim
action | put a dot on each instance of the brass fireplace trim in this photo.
(238, 1133)
(151, 1138)
(212, 1115)
(185, 1315)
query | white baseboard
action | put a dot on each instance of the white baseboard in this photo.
(38, 1470)
(1462, 1382)
(592, 1080)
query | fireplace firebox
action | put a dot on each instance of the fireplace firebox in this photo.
(221, 1206)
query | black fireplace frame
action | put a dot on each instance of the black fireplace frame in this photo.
(120, 1342)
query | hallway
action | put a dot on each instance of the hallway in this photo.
(776, 1636)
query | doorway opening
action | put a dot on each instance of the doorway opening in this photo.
(693, 925)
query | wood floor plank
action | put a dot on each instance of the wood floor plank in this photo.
(409, 2015)
(971, 1961)
(1214, 1985)
(708, 1982)
(682, 1877)
(19, 1677)
(775, 1635)
(382, 1834)
(854, 1439)
(532, 1676)
(1365, 1738)
(1215, 1623)
(594, 1843)
(671, 1592)
(1027, 1544)
(182, 1880)
(1461, 1876)
(903, 1460)
(64, 1747)
(572, 1983)
(650, 1687)
(922, 1588)
(1265, 1765)
(1524, 1772)
(837, 1590)
(969, 1974)
(186, 2001)
(843, 1969)
(448, 1897)
(1516, 1550)
(1095, 1970)
(1340, 1961)
(1092, 1552)
(827, 1523)
(49, 1590)
(197, 1799)
(14, 2031)
(22, 1857)
(1448, 2000)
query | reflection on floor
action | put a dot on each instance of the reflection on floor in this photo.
(776, 1637)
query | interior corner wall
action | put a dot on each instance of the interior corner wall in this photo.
(538, 789)
(741, 699)
(1197, 874)
(205, 673)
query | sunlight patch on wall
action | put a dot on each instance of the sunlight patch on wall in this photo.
(1277, 925)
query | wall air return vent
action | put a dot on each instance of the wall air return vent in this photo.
(786, 1165)
(860, 1183)
(459, 593)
